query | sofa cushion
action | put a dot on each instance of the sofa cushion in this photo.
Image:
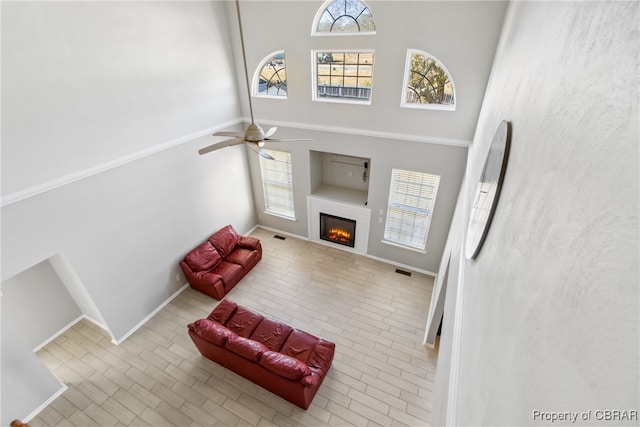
(223, 311)
(244, 322)
(283, 365)
(299, 344)
(249, 349)
(224, 240)
(272, 334)
(203, 257)
(231, 273)
(243, 257)
(211, 331)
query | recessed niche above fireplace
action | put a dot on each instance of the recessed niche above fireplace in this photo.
(340, 177)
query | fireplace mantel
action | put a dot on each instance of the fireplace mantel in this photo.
(341, 194)
(360, 214)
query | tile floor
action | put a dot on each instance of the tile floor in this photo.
(381, 375)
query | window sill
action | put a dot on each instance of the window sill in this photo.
(338, 100)
(440, 107)
(290, 218)
(409, 248)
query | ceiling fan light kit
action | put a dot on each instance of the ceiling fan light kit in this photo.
(254, 136)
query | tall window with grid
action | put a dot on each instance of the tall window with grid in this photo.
(412, 198)
(343, 76)
(277, 183)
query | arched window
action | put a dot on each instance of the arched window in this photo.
(427, 83)
(270, 78)
(343, 17)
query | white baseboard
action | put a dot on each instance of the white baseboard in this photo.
(67, 327)
(153, 313)
(57, 334)
(296, 236)
(48, 402)
(397, 264)
(405, 266)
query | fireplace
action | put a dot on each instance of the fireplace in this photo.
(337, 229)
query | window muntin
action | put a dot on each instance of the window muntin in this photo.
(270, 78)
(343, 76)
(427, 83)
(340, 17)
(277, 184)
(412, 198)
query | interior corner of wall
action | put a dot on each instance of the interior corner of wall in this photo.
(78, 291)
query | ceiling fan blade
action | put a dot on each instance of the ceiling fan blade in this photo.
(286, 140)
(254, 133)
(234, 134)
(265, 155)
(220, 145)
(270, 132)
(254, 147)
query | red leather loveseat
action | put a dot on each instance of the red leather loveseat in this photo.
(215, 266)
(286, 361)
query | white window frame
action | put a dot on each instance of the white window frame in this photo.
(320, 12)
(256, 77)
(277, 182)
(314, 76)
(412, 199)
(405, 83)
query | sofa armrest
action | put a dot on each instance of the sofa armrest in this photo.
(249, 242)
(321, 356)
(200, 277)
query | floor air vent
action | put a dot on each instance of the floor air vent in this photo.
(277, 236)
(406, 273)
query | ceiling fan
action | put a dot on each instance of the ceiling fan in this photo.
(254, 136)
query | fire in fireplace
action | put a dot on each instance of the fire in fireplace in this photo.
(338, 230)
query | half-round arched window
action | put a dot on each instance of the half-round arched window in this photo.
(270, 78)
(427, 83)
(343, 17)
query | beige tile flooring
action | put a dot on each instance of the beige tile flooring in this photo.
(381, 375)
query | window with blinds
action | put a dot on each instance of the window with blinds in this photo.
(277, 183)
(412, 198)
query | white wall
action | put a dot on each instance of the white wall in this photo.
(91, 82)
(37, 305)
(26, 381)
(104, 107)
(462, 35)
(549, 310)
(385, 154)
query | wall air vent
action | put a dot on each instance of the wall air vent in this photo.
(404, 272)
(277, 236)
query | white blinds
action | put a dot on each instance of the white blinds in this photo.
(412, 198)
(277, 183)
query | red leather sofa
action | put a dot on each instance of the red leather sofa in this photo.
(215, 266)
(286, 361)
